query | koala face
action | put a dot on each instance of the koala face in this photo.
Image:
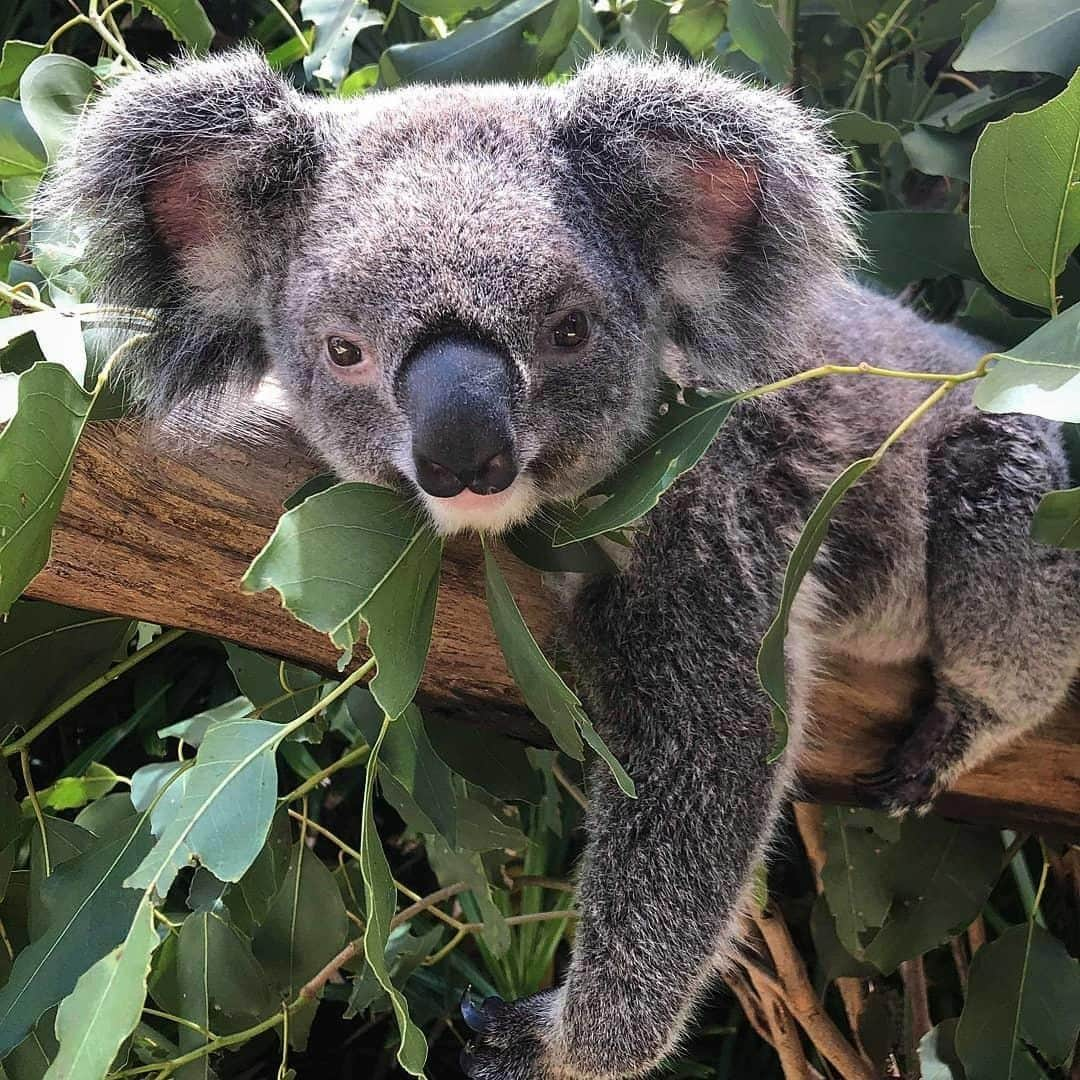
(469, 292)
(450, 319)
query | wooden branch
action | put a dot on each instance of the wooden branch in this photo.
(165, 537)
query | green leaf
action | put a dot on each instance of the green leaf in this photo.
(21, 152)
(1041, 375)
(757, 33)
(14, 60)
(234, 778)
(939, 154)
(306, 925)
(249, 900)
(30, 1060)
(681, 435)
(937, 1053)
(1022, 242)
(939, 877)
(1023, 988)
(186, 20)
(854, 875)
(93, 913)
(644, 27)
(53, 91)
(453, 866)
(400, 614)
(987, 317)
(72, 792)
(102, 1011)
(337, 22)
(851, 126)
(494, 762)
(59, 336)
(50, 652)
(770, 660)
(36, 451)
(534, 543)
(519, 41)
(262, 679)
(328, 555)
(1018, 35)
(909, 245)
(556, 706)
(379, 900)
(413, 775)
(698, 24)
(1057, 519)
(835, 961)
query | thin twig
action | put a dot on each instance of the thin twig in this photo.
(570, 787)
(31, 794)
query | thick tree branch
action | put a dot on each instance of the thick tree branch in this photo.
(166, 538)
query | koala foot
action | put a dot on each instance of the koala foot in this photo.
(512, 1038)
(916, 771)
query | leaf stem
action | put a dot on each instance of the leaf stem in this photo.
(31, 794)
(90, 688)
(295, 30)
(356, 756)
(206, 1033)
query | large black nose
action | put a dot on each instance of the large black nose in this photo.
(456, 393)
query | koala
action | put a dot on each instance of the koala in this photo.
(475, 294)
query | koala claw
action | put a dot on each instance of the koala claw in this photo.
(509, 1043)
(479, 1014)
(900, 790)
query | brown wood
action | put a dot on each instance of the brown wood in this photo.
(166, 537)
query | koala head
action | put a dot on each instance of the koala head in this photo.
(468, 292)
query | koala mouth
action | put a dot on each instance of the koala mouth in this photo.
(489, 514)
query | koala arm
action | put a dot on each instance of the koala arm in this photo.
(667, 654)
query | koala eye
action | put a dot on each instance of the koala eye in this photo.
(342, 352)
(571, 331)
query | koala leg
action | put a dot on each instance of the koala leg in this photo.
(1004, 610)
(672, 687)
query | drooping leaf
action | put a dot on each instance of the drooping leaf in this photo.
(93, 913)
(534, 543)
(21, 152)
(36, 450)
(1020, 36)
(1022, 242)
(234, 779)
(757, 33)
(556, 706)
(985, 316)
(1057, 519)
(14, 60)
(771, 667)
(835, 961)
(937, 153)
(305, 927)
(106, 1004)
(853, 126)
(193, 730)
(400, 614)
(451, 866)
(53, 91)
(249, 900)
(854, 875)
(937, 1053)
(30, 1060)
(328, 555)
(939, 876)
(684, 430)
(1023, 988)
(1041, 375)
(698, 24)
(262, 679)
(337, 22)
(186, 20)
(66, 841)
(379, 896)
(519, 41)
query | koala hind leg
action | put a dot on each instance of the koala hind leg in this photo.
(1004, 609)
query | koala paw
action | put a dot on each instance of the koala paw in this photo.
(898, 790)
(512, 1038)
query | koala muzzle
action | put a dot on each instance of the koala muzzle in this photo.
(456, 393)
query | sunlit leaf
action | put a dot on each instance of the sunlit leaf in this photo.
(186, 20)
(337, 22)
(1057, 519)
(53, 91)
(757, 33)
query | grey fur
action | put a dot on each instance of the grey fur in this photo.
(486, 208)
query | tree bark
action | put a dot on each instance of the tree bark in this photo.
(162, 536)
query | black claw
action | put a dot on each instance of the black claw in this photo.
(479, 1016)
(466, 1060)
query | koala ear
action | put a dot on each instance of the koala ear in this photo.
(186, 186)
(728, 198)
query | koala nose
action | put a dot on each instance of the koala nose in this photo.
(456, 393)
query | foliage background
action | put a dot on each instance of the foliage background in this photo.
(936, 948)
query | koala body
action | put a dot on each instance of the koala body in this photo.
(474, 293)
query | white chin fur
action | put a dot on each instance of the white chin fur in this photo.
(490, 514)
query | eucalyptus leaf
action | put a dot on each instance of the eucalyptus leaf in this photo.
(1023, 990)
(249, 900)
(262, 679)
(234, 778)
(379, 899)
(36, 451)
(186, 20)
(853, 126)
(59, 335)
(1021, 36)
(771, 665)
(14, 60)
(1057, 519)
(937, 1053)
(556, 706)
(519, 41)
(908, 245)
(1041, 375)
(1022, 242)
(757, 33)
(683, 431)
(106, 1004)
(985, 316)
(337, 23)
(21, 152)
(489, 759)
(53, 91)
